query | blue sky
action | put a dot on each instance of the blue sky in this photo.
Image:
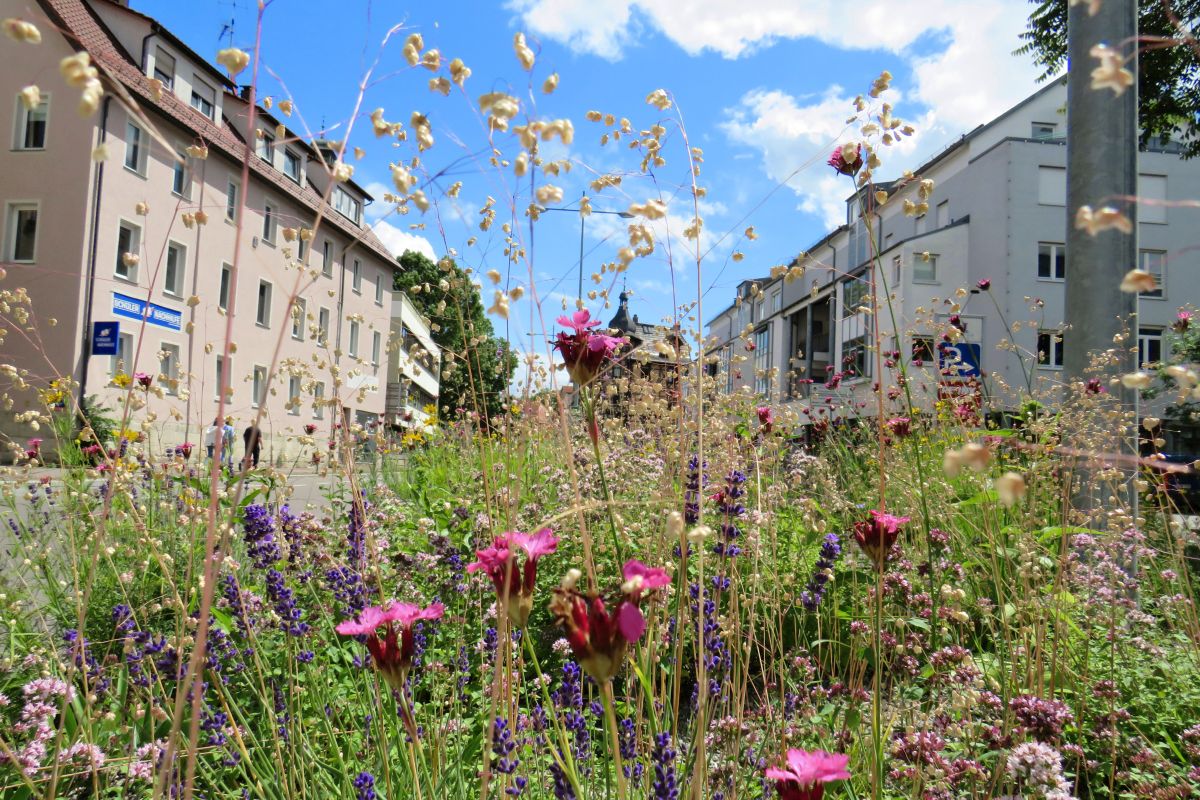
(764, 89)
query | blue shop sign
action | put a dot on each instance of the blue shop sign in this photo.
(105, 337)
(125, 306)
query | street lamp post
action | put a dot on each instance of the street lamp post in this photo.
(582, 223)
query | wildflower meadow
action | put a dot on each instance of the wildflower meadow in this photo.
(595, 582)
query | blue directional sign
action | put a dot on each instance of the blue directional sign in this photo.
(959, 360)
(125, 306)
(105, 337)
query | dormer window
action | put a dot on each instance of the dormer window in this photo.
(346, 205)
(204, 98)
(164, 67)
(291, 164)
(1045, 130)
(266, 148)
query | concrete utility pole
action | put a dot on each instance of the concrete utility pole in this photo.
(1102, 157)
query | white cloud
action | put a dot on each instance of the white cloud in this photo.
(970, 76)
(398, 241)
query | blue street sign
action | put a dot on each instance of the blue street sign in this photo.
(959, 360)
(125, 306)
(105, 336)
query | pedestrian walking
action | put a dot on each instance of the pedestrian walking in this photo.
(252, 438)
(210, 436)
(227, 443)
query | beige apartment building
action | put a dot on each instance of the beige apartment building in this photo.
(76, 235)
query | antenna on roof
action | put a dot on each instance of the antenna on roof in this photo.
(227, 29)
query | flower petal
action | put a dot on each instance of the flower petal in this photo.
(630, 621)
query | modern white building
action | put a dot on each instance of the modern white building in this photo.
(996, 214)
(147, 239)
(414, 366)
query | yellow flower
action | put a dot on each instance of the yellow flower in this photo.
(122, 380)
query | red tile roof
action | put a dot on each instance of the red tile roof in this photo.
(85, 30)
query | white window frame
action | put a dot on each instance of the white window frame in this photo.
(21, 128)
(1051, 185)
(225, 290)
(210, 99)
(1147, 334)
(258, 386)
(318, 391)
(120, 271)
(347, 205)
(379, 289)
(270, 221)
(287, 151)
(169, 367)
(858, 343)
(323, 319)
(927, 267)
(169, 81)
(266, 148)
(1043, 131)
(12, 211)
(123, 356)
(233, 199)
(327, 258)
(1054, 352)
(352, 346)
(1154, 211)
(181, 174)
(175, 287)
(1055, 249)
(294, 389)
(262, 304)
(356, 276)
(219, 363)
(299, 312)
(1154, 262)
(942, 214)
(139, 150)
(762, 361)
(376, 347)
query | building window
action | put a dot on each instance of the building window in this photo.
(263, 315)
(897, 263)
(925, 267)
(259, 381)
(226, 287)
(943, 213)
(323, 325)
(1052, 186)
(353, 350)
(776, 299)
(1152, 199)
(346, 205)
(762, 361)
(1052, 261)
(266, 148)
(376, 347)
(31, 125)
(168, 366)
(220, 381)
(293, 403)
(176, 267)
(128, 247)
(327, 259)
(181, 182)
(299, 311)
(854, 294)
(204, 98)
(922, 350)
(1050, 349)
(233, 193)
(122, 360)
(269, 223)
(1150, 346)
(164, 67)
(1044, 130)
(1155, 262)
(291, 164)
(855, 362)
(356, 276)
(136, 143)
(21, 224)
(379, 289)
(319, 400)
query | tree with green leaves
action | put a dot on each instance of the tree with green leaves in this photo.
(477, 366)
(1168, 68)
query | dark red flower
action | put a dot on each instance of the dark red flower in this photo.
(514, 584)
(392, 647)
(766, 418)
(877, 535)
(584, 351)
(984, 285)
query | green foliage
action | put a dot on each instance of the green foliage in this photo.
(1168, 77)
(477, 365)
